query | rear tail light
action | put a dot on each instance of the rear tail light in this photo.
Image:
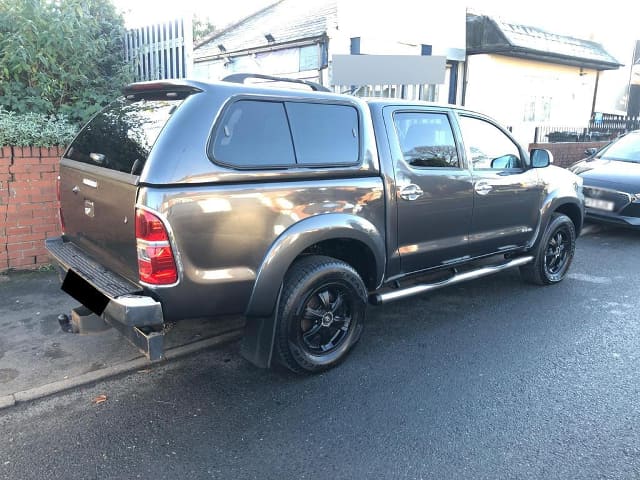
(156, 262)
(59, 205)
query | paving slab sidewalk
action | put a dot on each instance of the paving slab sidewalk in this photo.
(37, 358)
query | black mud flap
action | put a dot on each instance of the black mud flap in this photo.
(259, 336)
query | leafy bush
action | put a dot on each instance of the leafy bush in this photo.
(35, 129)
(202, 28)
(60, 57)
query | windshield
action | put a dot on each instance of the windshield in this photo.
(626, 149)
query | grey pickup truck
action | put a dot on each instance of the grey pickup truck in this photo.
(296, 209)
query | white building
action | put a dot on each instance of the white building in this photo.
(526, 77)
(301, 39)
(521, 75)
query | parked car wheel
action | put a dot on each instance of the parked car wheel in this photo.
(321, 314)
(554, 254)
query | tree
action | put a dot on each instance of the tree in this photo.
(60, 57)
(202, 28)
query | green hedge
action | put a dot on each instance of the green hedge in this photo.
(35, 129)
(61, 57)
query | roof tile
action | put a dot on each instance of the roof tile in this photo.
(486, 34)
(286, 21)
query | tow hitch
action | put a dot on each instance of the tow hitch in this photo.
(149, 340)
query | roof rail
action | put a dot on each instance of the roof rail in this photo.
(241, 77)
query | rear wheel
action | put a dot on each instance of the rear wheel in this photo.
(321, 314)
(554, 254)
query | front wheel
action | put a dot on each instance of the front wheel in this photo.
(321, 314)
(554, 253)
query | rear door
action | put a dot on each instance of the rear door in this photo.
(99, 176)
(506, 191)
(433, 188)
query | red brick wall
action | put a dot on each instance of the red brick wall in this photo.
(564, 154)
(28, 205)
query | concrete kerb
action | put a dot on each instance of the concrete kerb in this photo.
(53, 388)
(7, 401)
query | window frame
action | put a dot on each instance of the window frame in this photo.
(454, 132)
(283, 100)
(524, 157)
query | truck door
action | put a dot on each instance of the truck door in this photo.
(506, 192)
(434, 191)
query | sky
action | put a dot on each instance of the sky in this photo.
(564, 16)
(611, 23)
(220, 12)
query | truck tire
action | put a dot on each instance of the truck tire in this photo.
(321, 314)
(554, 252)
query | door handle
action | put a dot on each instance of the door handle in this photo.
(482, 188)
(411, 192)
(75, 189)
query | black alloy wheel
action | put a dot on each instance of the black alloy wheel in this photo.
(554, 253)
(321, 314)
(557, 251)
(325, 318)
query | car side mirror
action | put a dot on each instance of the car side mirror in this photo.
(590, 152)
(502, 162)
(541, 158)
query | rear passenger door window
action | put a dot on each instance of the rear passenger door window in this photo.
(254, 134)
(426, 140)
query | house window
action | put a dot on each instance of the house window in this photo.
(309, 58)
(537, 109)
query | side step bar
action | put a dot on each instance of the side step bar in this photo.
(380, 298)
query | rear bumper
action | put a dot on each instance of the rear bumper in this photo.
(101, 290)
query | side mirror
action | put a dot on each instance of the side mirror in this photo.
(505, 161)
(590, 152)
(541, 158)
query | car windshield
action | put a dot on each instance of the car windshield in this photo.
(626, 149)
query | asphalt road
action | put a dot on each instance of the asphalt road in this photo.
(491, 379)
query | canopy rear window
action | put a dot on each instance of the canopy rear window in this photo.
(122, 135)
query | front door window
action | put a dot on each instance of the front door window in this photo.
(488, 147)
